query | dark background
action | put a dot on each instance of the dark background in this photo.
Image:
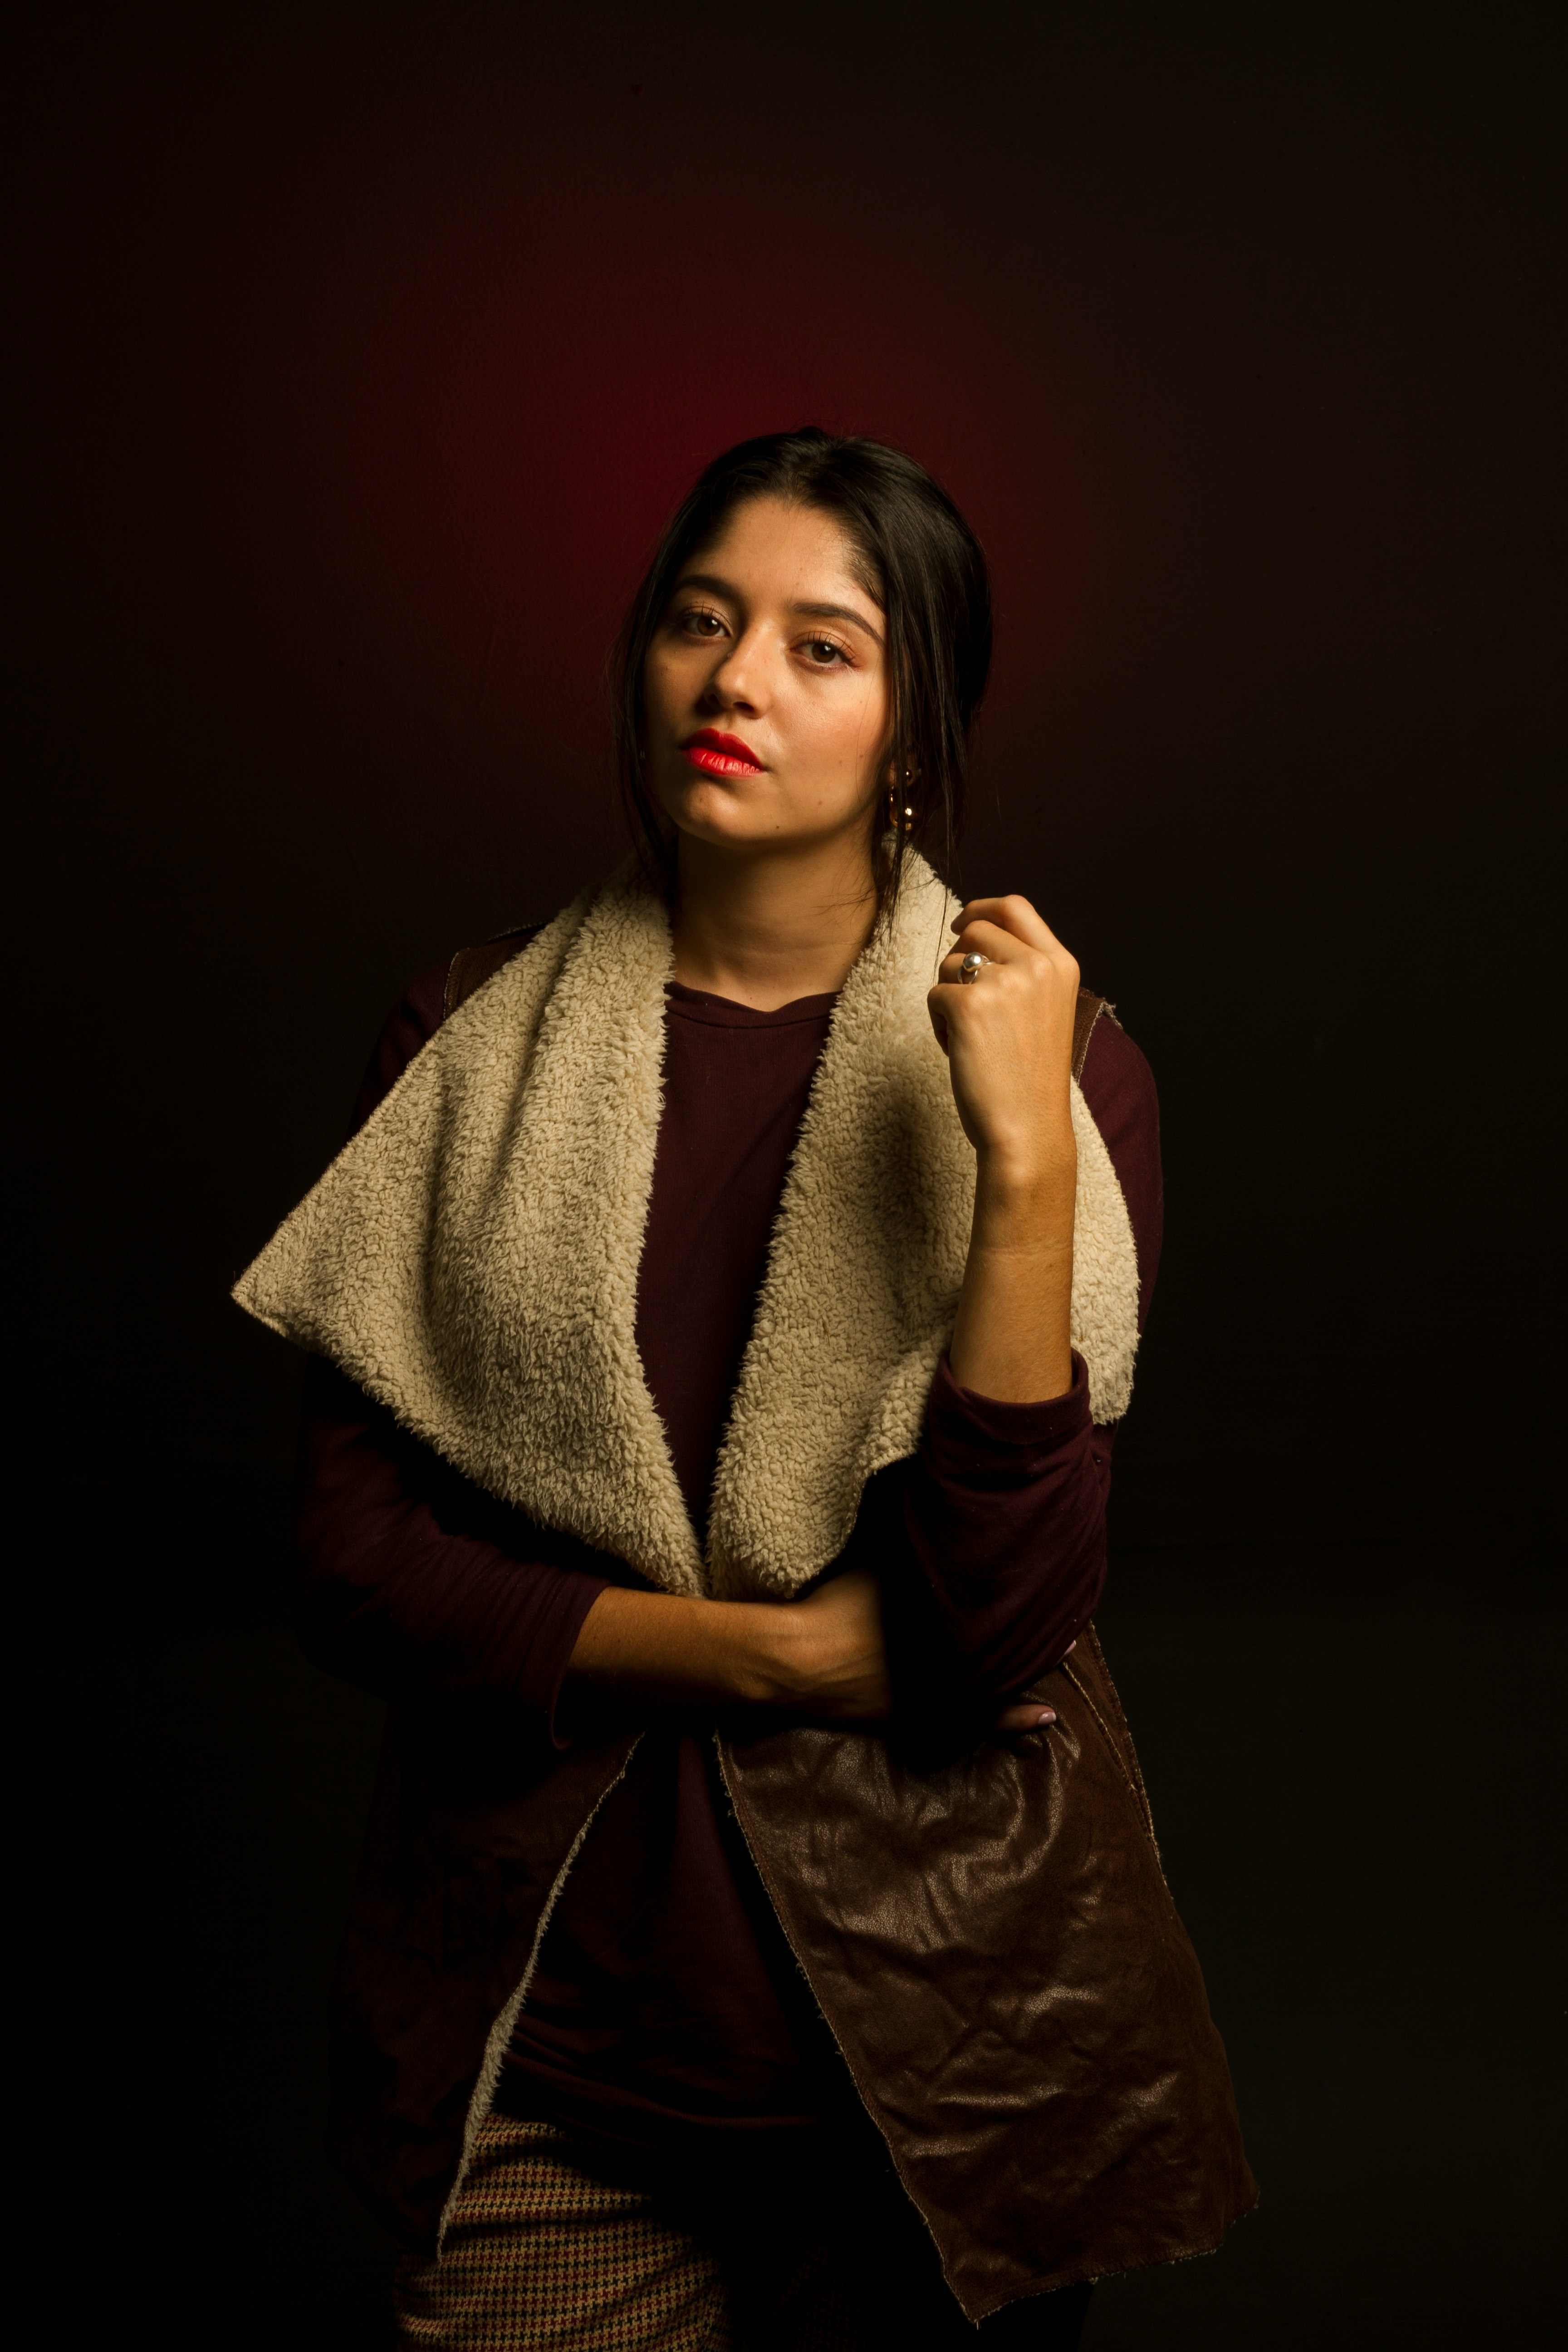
(359, 355)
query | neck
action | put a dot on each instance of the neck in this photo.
(764, 926)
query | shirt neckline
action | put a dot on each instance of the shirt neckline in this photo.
(723, 1012)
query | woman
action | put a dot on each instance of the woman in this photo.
(720, 1316)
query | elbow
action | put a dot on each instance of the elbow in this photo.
(976, 1665)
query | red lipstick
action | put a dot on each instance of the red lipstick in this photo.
(721, 755)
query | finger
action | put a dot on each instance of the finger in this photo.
(983, 940)
(1031, 1716)
(987, 939)
(1009, 913)
(1014, 915)
(1002, 948)
(991, 940)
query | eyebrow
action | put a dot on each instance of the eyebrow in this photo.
(719, 587)
(838, 613)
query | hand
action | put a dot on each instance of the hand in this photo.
(1009, 1038)
(832, 1658)
(1028, 1714)
(824, 1657)
(840, 1670)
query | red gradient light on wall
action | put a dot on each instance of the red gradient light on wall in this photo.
(460, 437)
(411, 409)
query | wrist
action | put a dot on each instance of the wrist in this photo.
(1025, 1153)
(1024, 1198)
(658, 1648)
(777, 1654)
(751, 1652)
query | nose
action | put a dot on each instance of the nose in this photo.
(739, 680)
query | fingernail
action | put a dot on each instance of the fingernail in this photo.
(1046, 1714)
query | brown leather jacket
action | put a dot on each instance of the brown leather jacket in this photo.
(990, 1939)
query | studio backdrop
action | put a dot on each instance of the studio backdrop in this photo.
(360, 353)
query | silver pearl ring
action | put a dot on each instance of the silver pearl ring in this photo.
(969, 970)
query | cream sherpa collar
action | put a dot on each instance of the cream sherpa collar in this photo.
(470, 1258)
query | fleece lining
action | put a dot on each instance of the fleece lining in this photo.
(470, 1258)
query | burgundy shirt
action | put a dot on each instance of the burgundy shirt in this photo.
(666, 2002)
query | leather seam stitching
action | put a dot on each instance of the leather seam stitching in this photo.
(1135, 1791)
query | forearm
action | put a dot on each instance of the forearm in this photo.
(399, 1586)
(991, 1547)
(658, 1648)
(824, 1657)
(1010, 1337)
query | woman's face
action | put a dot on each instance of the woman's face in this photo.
(766, 690)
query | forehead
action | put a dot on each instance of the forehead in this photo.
(780, 548)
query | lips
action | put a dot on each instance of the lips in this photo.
(721, 755)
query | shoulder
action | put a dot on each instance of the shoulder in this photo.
(1118, 1084)
(409, 1027)
(1119, 1087)
(471, 967)
(425, 1004)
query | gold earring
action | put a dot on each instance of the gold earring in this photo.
(893, 806)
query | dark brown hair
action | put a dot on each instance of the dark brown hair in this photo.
(925, 569)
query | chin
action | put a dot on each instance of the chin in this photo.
(715, 813)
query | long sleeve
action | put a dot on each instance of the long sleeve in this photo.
(992, 1547)
(401, 1586)
(407, 1578)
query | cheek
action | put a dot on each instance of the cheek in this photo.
(846, 729)
(669, 686)
(655, 685)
